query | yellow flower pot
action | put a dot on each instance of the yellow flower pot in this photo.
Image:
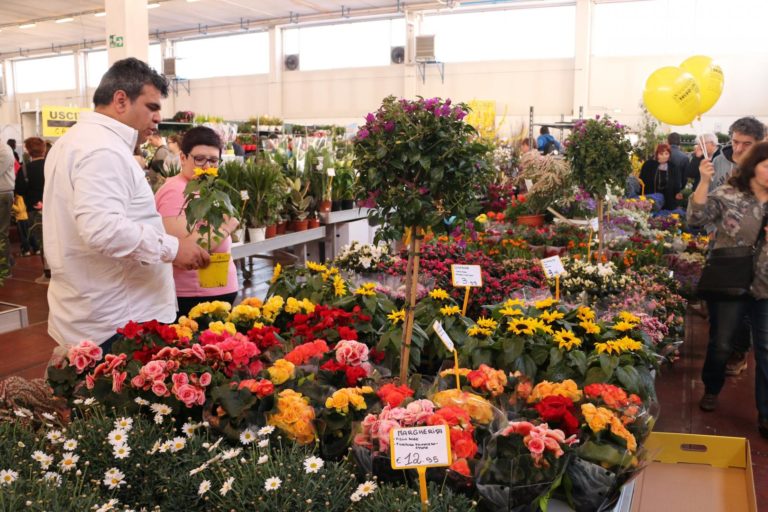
(215, 275)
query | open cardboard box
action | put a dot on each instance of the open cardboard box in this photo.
(696, 473)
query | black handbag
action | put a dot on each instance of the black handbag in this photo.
(728, 272)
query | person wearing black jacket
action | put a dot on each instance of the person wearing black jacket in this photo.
(677, 156)
(35, 181)
(661, 176)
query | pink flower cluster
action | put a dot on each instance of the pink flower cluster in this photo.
(84, 355)
(353, 353)
(153, 376)
(237, 351)
(189, 389)
(376, 428)
(110, 367)
(540, 439)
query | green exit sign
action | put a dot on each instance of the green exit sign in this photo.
(115, 41)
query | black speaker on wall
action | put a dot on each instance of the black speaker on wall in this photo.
(291, 62)
(397, 54)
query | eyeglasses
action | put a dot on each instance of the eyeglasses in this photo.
(201, 160)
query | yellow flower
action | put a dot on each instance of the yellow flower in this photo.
(276, 273)
(482, 218)
(366, 289)
(511, 311)
(330, 272)
(476, 330)
(545, 388)
(522, 326)
(544, 304)
(339, 288)
(295, 416)
(185, 328)
(539, 325)
(629, 317)
(488, 323)
(686, 237)
(220, 327)
(397, 316)
(478, 408)
(452, 371)
(551, 316)
(281, 371)
(210, 171)
(439, 294)
(450, 310)
(215, 309)
(316, 267)
(292, 306)
(628, 344)
(244, 313)
(343, 398)
(566, 339)
(251, 301)
(258, 325)
(308, 305)
(584, 313)
(513, 302)
(272, 308)
(623, 326)
(590, 327)
(619, 346)
(599, 418)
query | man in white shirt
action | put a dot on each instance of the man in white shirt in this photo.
(110, 257)
(7, 182)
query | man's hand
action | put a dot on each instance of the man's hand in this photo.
(191, 256)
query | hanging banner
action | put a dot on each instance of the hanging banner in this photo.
(57, 120)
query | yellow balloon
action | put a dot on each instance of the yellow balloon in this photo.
(710, 78)
(671, 95)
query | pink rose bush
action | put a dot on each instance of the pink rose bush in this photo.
(84, 355)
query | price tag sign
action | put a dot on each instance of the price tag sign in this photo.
(244, 195)
(594, 224)
(425, 447)
(553, 266)
(528, 185)
(467, 275)
(331, 171)
(447, 341)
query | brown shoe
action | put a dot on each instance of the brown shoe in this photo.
(736, 364)
(708, 402)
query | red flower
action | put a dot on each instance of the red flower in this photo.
(558, 410)
(354, 374)
(463, 446)
(131, 330)
(451, 416)
(376, 356)
(347, 333)
(461, 467)
(260, 388)
(394, 395)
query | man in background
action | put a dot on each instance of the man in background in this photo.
(7, 183)
(677, 157)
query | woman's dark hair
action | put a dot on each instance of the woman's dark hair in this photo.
(129, 75)
(200, 136)
(745, 171)
(175, 138)
(35, 147)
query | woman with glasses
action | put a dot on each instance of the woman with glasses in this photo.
(200, 148)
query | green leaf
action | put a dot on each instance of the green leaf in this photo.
(629, 378)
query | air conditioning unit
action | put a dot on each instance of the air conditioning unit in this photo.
(397, 54)
(169, 66)
(291, 62)
(425, 48)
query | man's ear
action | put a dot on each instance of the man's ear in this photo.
(120, 101)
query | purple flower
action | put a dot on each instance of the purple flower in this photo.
(370, 118)
(431, 103)
(459, 114)
(389, 126)
(362, 134)
(423, 190)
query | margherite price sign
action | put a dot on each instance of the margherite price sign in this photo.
(420, 448)
(57, 120)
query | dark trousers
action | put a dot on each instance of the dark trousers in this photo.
(726, 327)
(106, 347)
(187, 303)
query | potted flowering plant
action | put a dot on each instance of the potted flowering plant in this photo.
(420, 163)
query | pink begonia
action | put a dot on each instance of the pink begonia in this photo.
(159, 388)
(179, 379)
(417, 412)
(84, 354)
(351, 352)
(536, 446)
(189, 394)
(153, 370)
(205, 379)
(118, 378)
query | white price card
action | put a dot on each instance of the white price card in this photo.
(331, 171)
(528, 185)
(244, 195)
(594, 224)
(447, 341)
(420, 447)
(553, 266)
(466, 275)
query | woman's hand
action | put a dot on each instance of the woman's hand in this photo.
(230, 225)
(707, 170)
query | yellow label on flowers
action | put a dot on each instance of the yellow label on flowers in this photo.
(215, 275)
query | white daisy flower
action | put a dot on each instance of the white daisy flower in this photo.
(124, 423)
(89, 401)
(55, 436)
(21, 444)
(231, 453)
(189, 429)
(165, 446)
(247, 436)
(141, 401)
(121, 451)
(355, 497)
(263, 443)
(43, 458)
(115, 479)
(53, 477)
(265, 431)
(178, 444)
(161, 409)
(117, 437)
(112, 472)
(313, 464)
(198, 469)
(263, 459)
(205, 486)
(272, 484)
(21, 412)
(70, 445)
(110, 505)
(215, 445)
(366, 488)
(77, 401)
(227, 486)
(48, 416)
(68, 461)
(8, 476)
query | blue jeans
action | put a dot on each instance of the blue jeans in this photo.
(726, 321)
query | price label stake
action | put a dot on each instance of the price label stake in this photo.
(553, 267)
(420, 448)
(448, 342)
(469, 276)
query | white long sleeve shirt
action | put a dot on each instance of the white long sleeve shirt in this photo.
(7, 176)
(109, 255)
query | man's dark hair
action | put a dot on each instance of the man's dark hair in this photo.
(748, 126)
(544, 130)
(12, 143)
(746, 167)
(200, 136)
(673, 139)
(129, 75)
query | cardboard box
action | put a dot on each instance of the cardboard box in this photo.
(696, 473)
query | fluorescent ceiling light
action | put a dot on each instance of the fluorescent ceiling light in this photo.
(28, 25)
(100, 14)
(152, 6)
(65, 20)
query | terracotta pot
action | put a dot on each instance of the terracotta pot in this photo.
(282, 227)
(299, 225)
(313, 223)
(271, 231)
(531, 220)
(324, 206)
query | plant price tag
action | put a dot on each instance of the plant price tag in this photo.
(594, 224)
(466, 275)
(244, 195)
(331, 171)
(553, 266)
(528, 185)
(420, 447)
(447, 341)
